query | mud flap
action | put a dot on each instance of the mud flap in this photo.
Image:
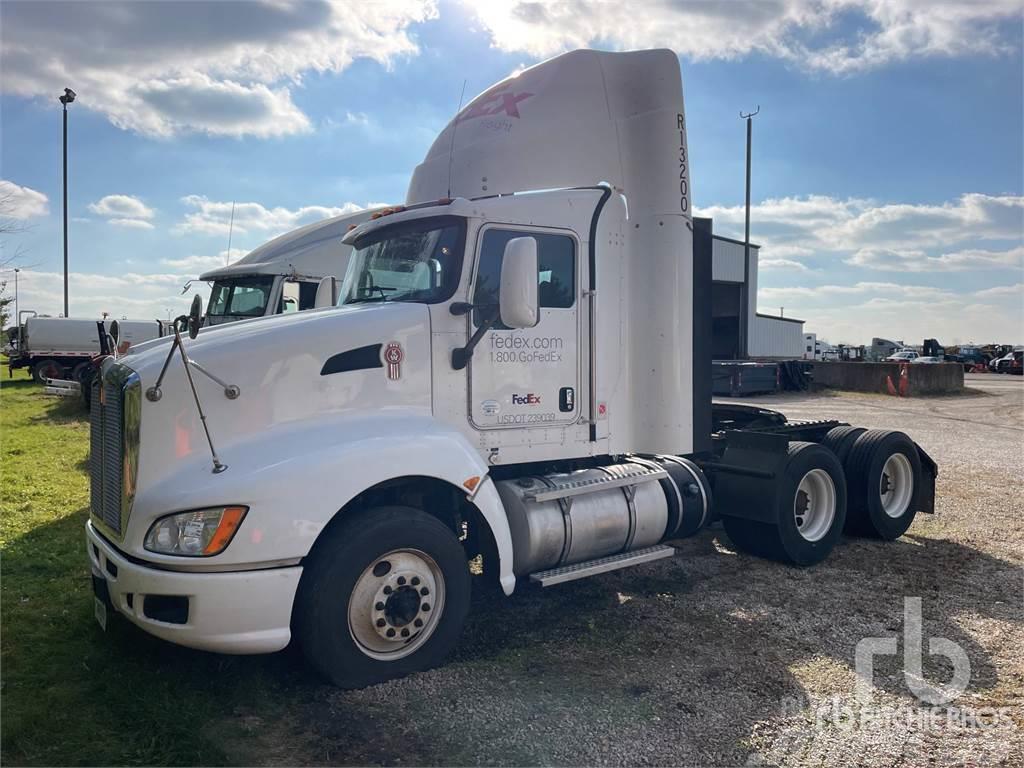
(926, 488)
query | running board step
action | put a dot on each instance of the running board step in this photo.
(602, 565)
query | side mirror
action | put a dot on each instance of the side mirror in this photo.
(326, 293)
(518, 299)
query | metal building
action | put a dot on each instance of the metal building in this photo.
(767, 336)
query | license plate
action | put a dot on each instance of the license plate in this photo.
(100, 597)
(100, 611)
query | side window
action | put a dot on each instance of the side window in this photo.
(556, 261)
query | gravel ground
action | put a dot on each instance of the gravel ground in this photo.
(716, 658)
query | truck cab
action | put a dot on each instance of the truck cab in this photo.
(517, 375)
(282, 275)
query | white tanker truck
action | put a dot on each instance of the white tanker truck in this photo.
(62, 347)
(513, 375)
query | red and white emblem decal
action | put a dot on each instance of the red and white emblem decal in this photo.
(393, 356)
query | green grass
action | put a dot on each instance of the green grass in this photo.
(70, 693)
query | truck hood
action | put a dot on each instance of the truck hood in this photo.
(320, 365)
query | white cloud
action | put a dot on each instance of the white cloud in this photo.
(124, 211)
(17, 202)
(132, 295)
(215, 217)
(199, 264)
(1016, 291)
(130, 223)
(782, 265)
(956, 261)
(818, 224)
(838, 36)
(827, 293)
(162, 68)
(123, 206)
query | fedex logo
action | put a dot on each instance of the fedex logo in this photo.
(530, 399)
(495, 104)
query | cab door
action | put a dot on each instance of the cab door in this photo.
(527, 377)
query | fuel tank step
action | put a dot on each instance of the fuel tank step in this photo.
(601, 565)
(618, 477)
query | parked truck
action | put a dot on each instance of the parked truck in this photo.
(61, 347)
(282, 275)
(515, 379)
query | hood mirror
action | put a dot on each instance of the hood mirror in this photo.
(326, 293)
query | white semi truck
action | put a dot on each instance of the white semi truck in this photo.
(282, 275)
(516, 376)
(62, 347)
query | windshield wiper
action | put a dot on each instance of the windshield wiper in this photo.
(365, 299)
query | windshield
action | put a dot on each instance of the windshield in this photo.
(239, 297)
(419, 261)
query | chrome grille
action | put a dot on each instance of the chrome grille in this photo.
(114, 423)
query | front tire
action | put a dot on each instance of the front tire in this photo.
(384, 594)
(808, 512)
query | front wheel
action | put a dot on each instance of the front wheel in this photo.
(384, 594)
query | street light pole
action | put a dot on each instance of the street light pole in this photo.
(67, 98)
(745, 292)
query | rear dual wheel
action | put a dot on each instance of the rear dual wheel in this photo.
(807, 513)
(47, 369)
(384, 594)
(883, 472)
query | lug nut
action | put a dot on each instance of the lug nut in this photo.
(425, 607)
(418, 623)
(424, 591)
(391, 633)
(405, 633)
(378, 607)
(381, 622)
(387, 590)
(415, 581)
(401, 580)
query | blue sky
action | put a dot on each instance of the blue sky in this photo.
(888, 176)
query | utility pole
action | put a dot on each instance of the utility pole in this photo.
(67, 98)
(16, 271)
(745, 293)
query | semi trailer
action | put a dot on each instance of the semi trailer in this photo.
(516, 382)
(282, 275)
(62, 347)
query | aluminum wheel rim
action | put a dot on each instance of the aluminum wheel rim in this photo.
(396, 604)
(814, 506)
(896, 485)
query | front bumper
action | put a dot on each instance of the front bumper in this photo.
(228, 612)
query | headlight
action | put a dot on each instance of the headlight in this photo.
(200, 533)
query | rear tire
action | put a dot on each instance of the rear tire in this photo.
(47, 369)
(809, 510)
(384, 594)
(840, 440)
(883, 472)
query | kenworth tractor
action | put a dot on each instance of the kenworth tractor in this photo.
(518, 370)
